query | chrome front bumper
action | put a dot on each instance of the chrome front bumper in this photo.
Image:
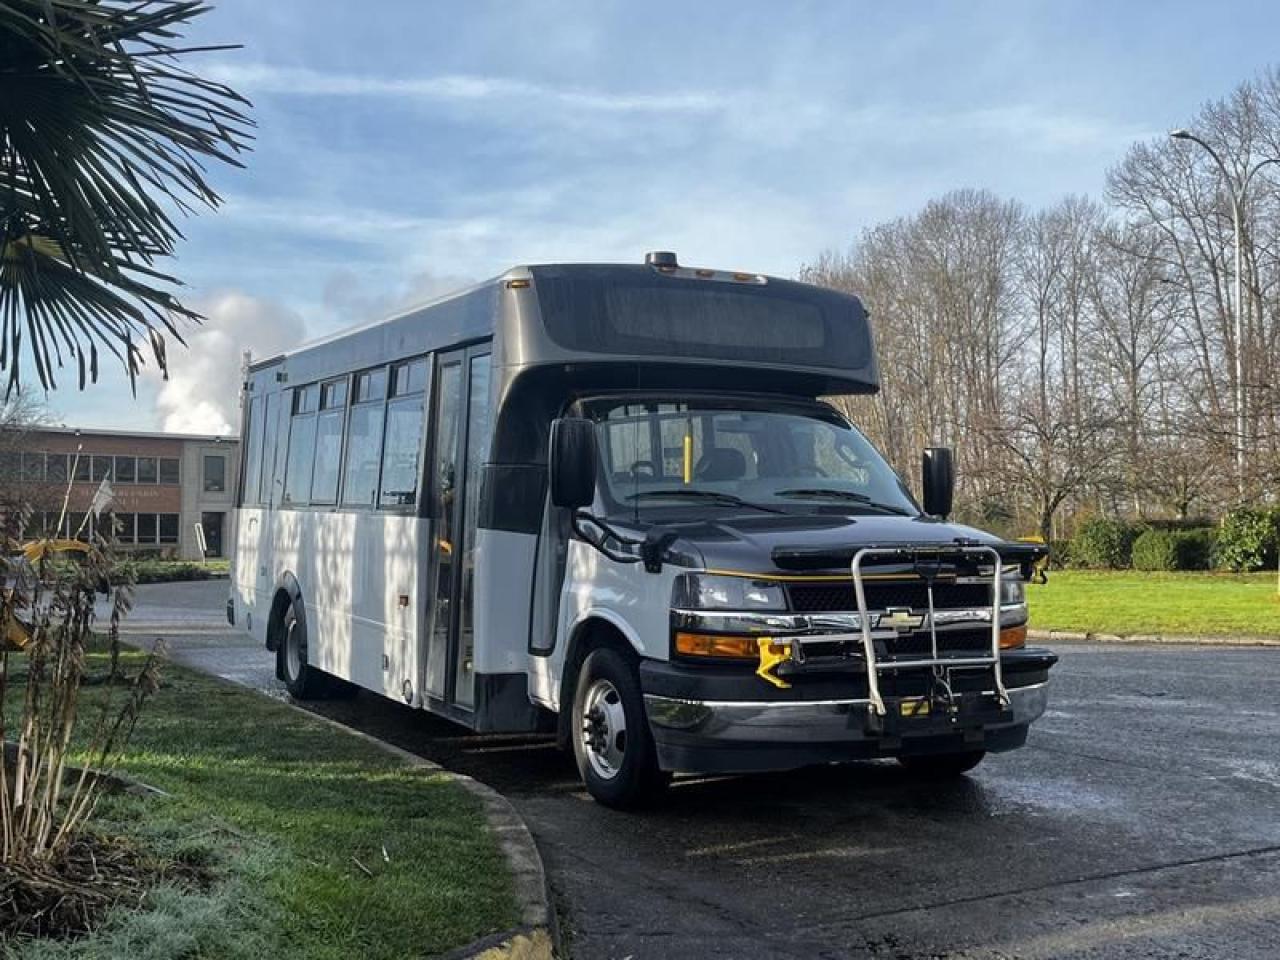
(799, 722)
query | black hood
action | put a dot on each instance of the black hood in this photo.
(787, 543)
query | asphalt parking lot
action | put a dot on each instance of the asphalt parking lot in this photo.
(1142, 820)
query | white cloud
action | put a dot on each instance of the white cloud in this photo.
(202, 394)
(300, 81)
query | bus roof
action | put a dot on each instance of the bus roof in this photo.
(654, 314)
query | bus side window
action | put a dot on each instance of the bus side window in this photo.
(302, 441)
(403, 441)
(364, 439)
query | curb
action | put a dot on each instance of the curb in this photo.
(537, 936)
(1069, 636)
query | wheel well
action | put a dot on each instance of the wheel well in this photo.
(593, 633)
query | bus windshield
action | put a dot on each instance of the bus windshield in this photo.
(729, 453)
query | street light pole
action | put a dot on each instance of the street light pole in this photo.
(1237, 218)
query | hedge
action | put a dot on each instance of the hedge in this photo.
(1102, 543)
(1173, 550)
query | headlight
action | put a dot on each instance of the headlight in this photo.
(1013, 590)
(704, 591)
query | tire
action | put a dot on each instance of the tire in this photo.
(943, 766)
(610, 733)
(303, 681)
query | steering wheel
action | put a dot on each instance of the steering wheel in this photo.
(643, 467)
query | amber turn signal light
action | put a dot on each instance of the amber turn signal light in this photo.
(716, 645)
(1012, 638)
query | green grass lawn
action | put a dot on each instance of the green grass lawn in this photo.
(278, 805)
(1128, 602)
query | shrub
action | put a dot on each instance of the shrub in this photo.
(1247, 539)
(1155, 550)
(1060, 554)
(1104, 542)
(1173, 550)
(1196, 548)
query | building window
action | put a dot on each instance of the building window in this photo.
(82, 467)
(146, 528)
(55, 466)
(126, 469)
(168, 528)
(169, 472)
(33, 467)
(125, 527)
(101, 469)
(147, 470)
(215, 473)
(10, 466)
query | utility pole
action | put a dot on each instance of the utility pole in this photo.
(1237, 193)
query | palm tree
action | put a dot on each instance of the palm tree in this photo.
(103, 139)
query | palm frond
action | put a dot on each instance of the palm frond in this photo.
(103, 140)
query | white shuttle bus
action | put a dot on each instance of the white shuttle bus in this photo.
(609, 501)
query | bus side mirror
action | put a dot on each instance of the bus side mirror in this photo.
(573, 462)
(939, 481)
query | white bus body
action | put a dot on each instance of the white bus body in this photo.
(402, 527)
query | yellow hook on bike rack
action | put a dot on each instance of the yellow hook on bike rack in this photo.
(772, 653)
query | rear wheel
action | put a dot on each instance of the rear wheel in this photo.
(611, 739)
(943, 766)
(303, 681)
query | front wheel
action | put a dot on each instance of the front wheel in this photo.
(611, 739)
(303, 681)
(943, 766)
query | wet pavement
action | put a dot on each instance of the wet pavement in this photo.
(1141, 820)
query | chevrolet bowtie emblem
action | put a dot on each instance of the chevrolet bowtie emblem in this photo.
(903, 621)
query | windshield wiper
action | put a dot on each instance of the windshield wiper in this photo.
(728, 499)
(831, 493)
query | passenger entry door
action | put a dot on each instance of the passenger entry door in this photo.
(461, 432)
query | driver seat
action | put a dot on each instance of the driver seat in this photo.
(721, 463)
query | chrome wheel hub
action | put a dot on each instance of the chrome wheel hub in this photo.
(294, 652)
(603, 729)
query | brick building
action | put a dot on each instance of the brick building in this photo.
(164, 485)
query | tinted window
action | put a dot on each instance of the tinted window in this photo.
(101, 468)
(126, 469)
(125, 523)
(410, 377)
(33, 466)
(168, 470)
(55, 466)
(371, 385)
(270, 429)
(82, 468)
(297, 474)
(364, 440)
(648, 314)
(168, 528)
(146, 528)
(147, 470)
(215, 473)
(252, 453)
(324, 479)
(400, 453)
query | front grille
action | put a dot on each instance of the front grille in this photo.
(973, 642)
(839, 597)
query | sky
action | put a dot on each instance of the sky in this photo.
(406, 148)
